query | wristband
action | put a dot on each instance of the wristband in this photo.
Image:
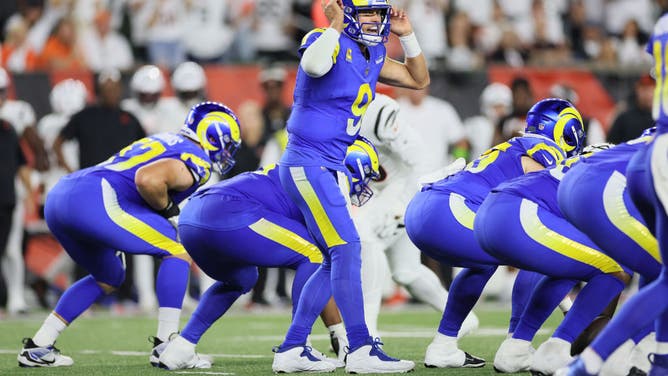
(410, 45)
(171, 210)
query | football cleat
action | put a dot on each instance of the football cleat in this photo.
(640, 354)
(448, 355)
(659, 365)
(619, 362)
(576, 368)
(514, 355)
(32, 355)
(299, 359)
(339, 345)
(635, 371)
(335, 361)
(371, 358)
(553, 354)
(180, 354)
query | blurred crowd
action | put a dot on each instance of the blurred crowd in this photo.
(165, 43)
(454, 34)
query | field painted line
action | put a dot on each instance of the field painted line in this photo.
(201, 373)
(482, 332)
(144, 353)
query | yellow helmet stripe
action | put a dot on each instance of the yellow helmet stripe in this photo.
(368, 149)
(566, 115)
(217, 116)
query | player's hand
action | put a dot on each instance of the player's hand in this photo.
(399, 22)
(334, 12)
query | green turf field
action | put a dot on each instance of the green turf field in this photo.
(240, 343)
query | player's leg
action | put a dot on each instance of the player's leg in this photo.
(321, 196)
(12, 263)
(441, 226)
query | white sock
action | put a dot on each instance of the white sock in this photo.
(662, 348)
(443, 339)
(566, 304)
(168, 322)
(49, 331)
(180, 341)
(339, 329)
(592, 361)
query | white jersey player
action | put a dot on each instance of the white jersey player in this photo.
(496, 101)
(21, 116)
(146, 85)
(380, 221)
(66, 98)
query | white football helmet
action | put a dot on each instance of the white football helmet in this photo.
(495, 94)
(379, 123)
(147, 80)
(68, 97)
(188, 76)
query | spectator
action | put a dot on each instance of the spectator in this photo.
(437, 121)
(66, 98)
(630, 123)
(164, 22)
(104, 48)
(594, 132)
(275, 111)
(39, 21)
(273, 30)
(189, 84)
(495, 102)
(13, 165)
(146, 86)
(61, 51)
(431, 30)
(461, 55)
(21, 116)
(17, 55)
(209, 31)
(102, 128)
(252, 145)
(512, 124)
(631, 47)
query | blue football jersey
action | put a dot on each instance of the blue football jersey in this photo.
(262, 186)
(500, 163)
(618, 156)
(657, 47)
(326, 113)
(121, 168)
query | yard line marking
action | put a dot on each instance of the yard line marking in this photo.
(482, 332)
(202, 373)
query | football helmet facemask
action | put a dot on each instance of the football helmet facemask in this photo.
(355, 29)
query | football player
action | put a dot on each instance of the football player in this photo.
(439, 220)
(593, 196)
(336, 81)
(380, 223)
(520, 224)
(130, 202)
(235, 226)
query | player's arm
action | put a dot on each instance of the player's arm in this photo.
(317, 59)
(413, 72)
(58, 150)
(530, 165)
(156, 179)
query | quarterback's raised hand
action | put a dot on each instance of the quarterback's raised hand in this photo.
(334, 12)
(399, 22)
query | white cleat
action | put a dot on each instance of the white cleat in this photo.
(299, 359)
(619, 362)
(442, 355)
(180, 354)
(640, 353)
(470, 324)
(514, 355)
(339, 344)
(32, 355)
(553, 354)
(335, 361)
(371, 358)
